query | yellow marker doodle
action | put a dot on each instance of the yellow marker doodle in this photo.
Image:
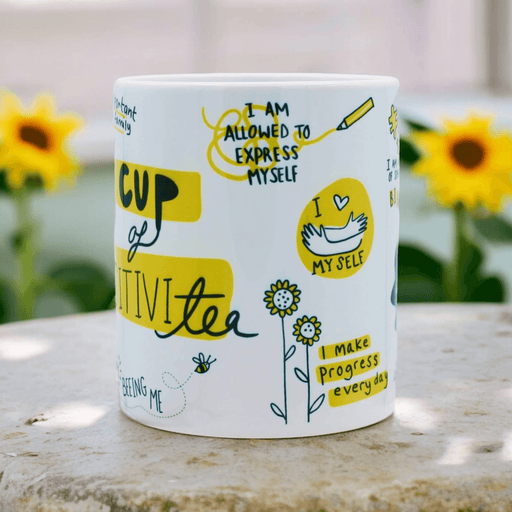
(263, 142)
(356, 115)
(393, 122)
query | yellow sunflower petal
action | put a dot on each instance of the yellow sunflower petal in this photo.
(16, 179)
(45, 106)
(468, 162)
(10, 105)
(69, 123)
(33, 141)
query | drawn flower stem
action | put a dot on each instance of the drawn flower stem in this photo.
(307, 331)
(309, 387)
(282, 299)
(284, 374)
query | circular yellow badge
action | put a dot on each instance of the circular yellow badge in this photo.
(335, 231)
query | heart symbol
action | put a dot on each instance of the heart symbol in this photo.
(340, 202)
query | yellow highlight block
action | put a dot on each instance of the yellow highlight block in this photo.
(191, 296)
(347, 369)
(345, 348)
(357, 391)
(143, 200)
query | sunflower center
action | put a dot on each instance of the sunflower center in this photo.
(34, 136)
(283, 299)
(307, 330)
(468, 153)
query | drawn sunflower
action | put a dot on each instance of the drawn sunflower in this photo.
(33, 141)
(282, 298)
(466, 162)
(307, 330)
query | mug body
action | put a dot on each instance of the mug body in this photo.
(256, 244)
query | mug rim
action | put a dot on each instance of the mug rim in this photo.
(257, 80)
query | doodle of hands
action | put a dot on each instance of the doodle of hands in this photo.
(331, 240)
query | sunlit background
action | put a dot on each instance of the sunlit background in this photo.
(449, 55)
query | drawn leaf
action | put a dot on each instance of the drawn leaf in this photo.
(276, 410)
(290, 352)
(301, 375)
(317, 404)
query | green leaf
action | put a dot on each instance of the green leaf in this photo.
(4, 188)
(32, 183)
(409, 154)
(472, 258)
(476, 287)
(418, 127)
(418, 288)
(420, 276)
(87, 283)
(494, 229)
(7, 303)
(414, 261)
(491, 289)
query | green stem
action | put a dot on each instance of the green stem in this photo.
(454, 273)
(24, 249)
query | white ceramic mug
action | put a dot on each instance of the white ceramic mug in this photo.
(256, 239)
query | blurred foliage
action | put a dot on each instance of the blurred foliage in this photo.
(86, 283)
(423, 277)
(34, 159)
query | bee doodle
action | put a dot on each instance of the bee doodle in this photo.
(203, 365)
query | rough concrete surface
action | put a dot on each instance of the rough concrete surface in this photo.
(65, 446)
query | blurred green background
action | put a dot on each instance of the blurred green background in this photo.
(448, 59)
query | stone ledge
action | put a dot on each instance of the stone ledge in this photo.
(448, 447)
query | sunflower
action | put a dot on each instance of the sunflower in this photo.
(307, 330)
(282, 298)
(32, 141)
(467, 162)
